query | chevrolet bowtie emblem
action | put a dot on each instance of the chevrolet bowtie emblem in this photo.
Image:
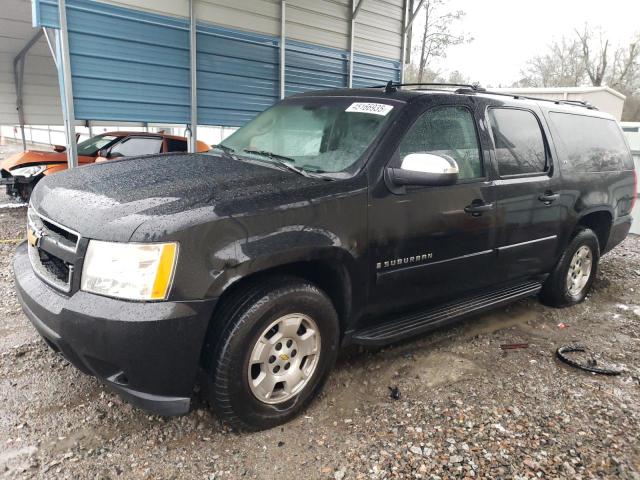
(32, 237)
(284, 357)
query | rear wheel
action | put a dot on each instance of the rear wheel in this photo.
(575, 272)
(279, 344)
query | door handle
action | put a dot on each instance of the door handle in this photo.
(548, 197)
(476, 209)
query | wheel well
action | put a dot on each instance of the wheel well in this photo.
(330, 277)
(600, 223)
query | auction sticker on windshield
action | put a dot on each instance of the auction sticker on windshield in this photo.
(375, 108)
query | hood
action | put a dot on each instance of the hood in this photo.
(110, 200)
(32, 157)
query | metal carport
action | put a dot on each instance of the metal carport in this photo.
(213, 62)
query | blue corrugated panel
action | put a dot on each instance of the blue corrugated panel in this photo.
(369, 70)
(45, 13)
(129, 65)
(237, 75)
(311, 67)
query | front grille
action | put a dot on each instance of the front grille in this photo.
(63, 232)
(53, 270)
(52, 250)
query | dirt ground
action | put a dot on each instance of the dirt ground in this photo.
(466, 408)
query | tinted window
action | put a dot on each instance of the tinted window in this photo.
(174, 145)
(518, 141)
(132, 146)
(449, 131)
(92, 145)
(589, 144)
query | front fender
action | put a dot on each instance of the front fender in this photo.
(281, 249)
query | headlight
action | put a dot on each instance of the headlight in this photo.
(133, 271)
(31, 171)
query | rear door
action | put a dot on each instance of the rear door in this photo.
(529, 206)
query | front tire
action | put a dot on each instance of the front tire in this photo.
(575, 272)
(278, 345)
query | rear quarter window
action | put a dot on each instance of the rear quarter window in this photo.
(589, 144)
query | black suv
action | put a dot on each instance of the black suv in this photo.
(334, 217)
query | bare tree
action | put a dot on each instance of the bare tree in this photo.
(594, 56)
(625, 69)
(436, 38)
(560, 66)
(588, 59)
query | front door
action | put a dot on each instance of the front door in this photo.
(431, 244)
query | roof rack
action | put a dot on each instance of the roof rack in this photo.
(557, 101)
(465, 88)
(392, 86)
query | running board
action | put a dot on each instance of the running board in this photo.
(418, 322)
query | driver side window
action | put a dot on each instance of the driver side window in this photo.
(446, 131)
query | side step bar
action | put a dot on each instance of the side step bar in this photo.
(418, 322)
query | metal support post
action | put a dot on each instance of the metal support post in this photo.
(406, 26)
(355, 9)
(193, 66)
(66, 87)
(283, 37)
(18, 79)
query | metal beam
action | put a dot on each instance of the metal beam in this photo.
(355, 9)
(403, 39)
(18, 79)
(66, 87)
(413, 16)
(50, 44)
(283, 48)
(193, 69)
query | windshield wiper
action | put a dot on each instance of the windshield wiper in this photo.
(225, 149)
(284, 161)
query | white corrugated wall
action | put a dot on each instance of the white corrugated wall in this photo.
(41, 93)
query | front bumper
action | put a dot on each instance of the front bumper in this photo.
(148, 352)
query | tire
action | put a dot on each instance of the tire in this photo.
(559, 290)
(245, 359)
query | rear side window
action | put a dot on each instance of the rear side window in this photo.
(518, 140)
(132, 146)
(589, 144)
(449, 131)
(174, 145)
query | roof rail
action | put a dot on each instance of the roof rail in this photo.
(557, 101)
(392, 86)
(465, 88)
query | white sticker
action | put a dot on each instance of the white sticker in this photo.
(374, 108)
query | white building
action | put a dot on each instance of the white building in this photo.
(604, 98)
(632, 132)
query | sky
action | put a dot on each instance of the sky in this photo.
(508, 33)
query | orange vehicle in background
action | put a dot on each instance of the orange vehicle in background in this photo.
(22, 171)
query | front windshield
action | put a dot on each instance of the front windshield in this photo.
(90, 146)
(314, 134)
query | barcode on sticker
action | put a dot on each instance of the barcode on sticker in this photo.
(374, 108)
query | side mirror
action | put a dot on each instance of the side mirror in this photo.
(104, 153)
(425, 169)
(59, 148)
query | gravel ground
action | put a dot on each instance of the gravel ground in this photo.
(466, 408)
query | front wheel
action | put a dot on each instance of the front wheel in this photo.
(280, 342)
(575, 272)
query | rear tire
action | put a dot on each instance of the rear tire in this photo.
(575, 272)
(279, 342)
